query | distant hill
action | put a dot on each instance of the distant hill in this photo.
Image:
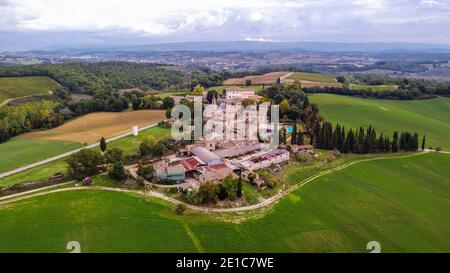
(226, 46)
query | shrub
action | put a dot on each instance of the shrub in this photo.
(117, 172)
(180, 208)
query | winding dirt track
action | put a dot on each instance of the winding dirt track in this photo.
(264, 203)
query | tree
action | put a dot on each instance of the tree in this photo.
(284, 106)
(168, 103)
(395, 143)
(423, 142)
(239, 186)
(306, 103)
(208, 193)
(136, 103)
(246, 102)
(340, 79)
(294, 134)
(84, 163)
(211, 95)
(146, 171)
(415, 142)
(117, 172)
(103, 144)
(248, 82)
(113, 155)
(198, 90)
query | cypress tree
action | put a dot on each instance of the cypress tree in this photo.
(341, 142)
(423, 142)
(306, 103)
(380, 144)
(329, 136)
(294, 134)
(351, 141)
(103, 144)
(300, 140)
(395, 142)
(318, 139)
(387, 144)
(318, 136)
(415, 142)
(402, 142)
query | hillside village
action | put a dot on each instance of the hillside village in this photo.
(215, 160)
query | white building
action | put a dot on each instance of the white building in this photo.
(240, 93)
(273, 157)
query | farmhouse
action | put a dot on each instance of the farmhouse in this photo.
(240, 93)
(168, 173)
(206, 155)
(215, 173)
(273, 157)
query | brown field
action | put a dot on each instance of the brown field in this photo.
(268, 78)
(90, 128)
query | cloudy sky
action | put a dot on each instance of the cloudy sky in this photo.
(35, 24)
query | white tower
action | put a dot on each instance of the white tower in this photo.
(135, 130)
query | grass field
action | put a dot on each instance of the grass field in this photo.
(20, 151)
(312, 77)
(428, 117)
(129, 145)
(168, 94)
(90, 128)
(221, 88)
(16, 87)
(402, 203)
(374, 88)
(268, 78)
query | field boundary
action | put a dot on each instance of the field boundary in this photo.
(264, 203)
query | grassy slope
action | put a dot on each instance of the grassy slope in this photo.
(19, 151)
(313, 77)
(220, 88)
(375, 88)
(428, 117)
(24, 86)
(402, 203)
(128, 144)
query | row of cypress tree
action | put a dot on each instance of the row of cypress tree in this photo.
(364, 141)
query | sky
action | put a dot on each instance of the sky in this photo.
(43, 24)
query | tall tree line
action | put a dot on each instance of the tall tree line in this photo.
(364, 141)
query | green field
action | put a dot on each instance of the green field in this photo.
(16, 87)
(169, 94)
(19, 152)
(403, 203)
(130, 144)
(220, 88)
(313, 77)
(374, 88)
(430, 117)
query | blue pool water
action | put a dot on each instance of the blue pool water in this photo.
(289, 129)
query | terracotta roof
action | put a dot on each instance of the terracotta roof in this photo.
(191, 163)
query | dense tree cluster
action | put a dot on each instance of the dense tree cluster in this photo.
(105, 77)
(229, 189)
(408, 89)
(363, 141)
(295, 107)
(26, 117)
(89, 162)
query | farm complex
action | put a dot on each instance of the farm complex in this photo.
(138, 157)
